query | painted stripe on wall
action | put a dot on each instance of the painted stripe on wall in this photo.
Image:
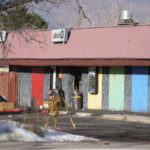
(95, 100)
(105, 91)
(148, 109)
(139, 89)
(37, 84)
(24, 86)
(116, 88)
(46, 83)
(85, 85)
(128, 88)
(67, 84)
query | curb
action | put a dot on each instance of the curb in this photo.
(82, 114)
(129, 118)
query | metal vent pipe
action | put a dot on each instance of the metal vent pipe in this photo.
(125, 15)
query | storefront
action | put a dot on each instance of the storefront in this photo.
(109, 66)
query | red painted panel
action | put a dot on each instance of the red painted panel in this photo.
(37, 84)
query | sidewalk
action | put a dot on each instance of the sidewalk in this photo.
(129, 118)
(137, 117)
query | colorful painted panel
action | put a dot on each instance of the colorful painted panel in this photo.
(139, 89)
(37, 84)
(116, 88)
(95, 100)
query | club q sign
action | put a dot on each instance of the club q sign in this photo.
(59, 35)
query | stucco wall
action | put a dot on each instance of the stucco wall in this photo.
(24, 86)
(116, 88)
(105, 88)
(128, 88)
(47, 74)
(67, 79)
(148, 109)
(95, 100)
(67, 84)
(99, 101)
(122, 87)
(85, 85)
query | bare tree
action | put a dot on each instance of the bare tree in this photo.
(81, 15)
(6, 4)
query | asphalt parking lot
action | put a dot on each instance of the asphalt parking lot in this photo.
(90, 125)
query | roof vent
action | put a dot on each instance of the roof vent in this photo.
(2, 36)
(125, 15)
(126, 18)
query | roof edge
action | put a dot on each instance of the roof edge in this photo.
(76, 62)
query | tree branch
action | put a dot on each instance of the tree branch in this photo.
(81, 12)
(13, 3)
(5, 5)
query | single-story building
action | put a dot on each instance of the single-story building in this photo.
(109, 66)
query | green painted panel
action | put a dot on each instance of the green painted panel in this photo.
(116, 88)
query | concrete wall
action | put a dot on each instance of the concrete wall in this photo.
(128, 88)
(67, 84)
(99, 101)
(95, 100)
(85, 85)
(67, 79)
(24, 85)
(139, 88)
(105, 88)
(118, 88)
(47, 74)
(148, 89)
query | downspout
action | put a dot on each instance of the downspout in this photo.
(54, 77)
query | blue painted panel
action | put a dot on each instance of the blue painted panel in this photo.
(139, 89)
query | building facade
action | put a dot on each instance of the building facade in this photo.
(109, 66)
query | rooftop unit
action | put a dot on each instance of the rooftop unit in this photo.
(126, 18)
(2, 36)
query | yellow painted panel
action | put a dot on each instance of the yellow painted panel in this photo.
(95, 100)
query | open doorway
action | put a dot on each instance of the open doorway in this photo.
(76, 74)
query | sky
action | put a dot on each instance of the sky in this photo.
(100, 12)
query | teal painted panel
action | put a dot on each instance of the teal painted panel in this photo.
(116, 88)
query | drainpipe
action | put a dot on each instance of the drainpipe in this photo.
(54, 78)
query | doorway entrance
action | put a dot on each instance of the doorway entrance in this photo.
(76, 78)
